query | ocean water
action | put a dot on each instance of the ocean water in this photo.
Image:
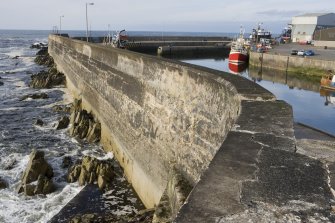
(19, 135)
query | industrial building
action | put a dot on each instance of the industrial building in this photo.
(304, 27)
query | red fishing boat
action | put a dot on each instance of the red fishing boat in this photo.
(238, 52)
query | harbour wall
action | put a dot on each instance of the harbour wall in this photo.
(288, 63)
(182, 45)
(156, 115)
(169, 122)
(330, 44)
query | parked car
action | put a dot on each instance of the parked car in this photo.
(294, 52)
(309, 53)
(301, 53)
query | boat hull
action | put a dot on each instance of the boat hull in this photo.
(237, 68)
(238, 57)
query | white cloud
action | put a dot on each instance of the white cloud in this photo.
(188, 15)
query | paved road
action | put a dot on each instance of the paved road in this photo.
(320, 52)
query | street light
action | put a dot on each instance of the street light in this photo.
(87, 3)
(60, 24)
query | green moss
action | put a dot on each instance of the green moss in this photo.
(306, 76)
(316, 72)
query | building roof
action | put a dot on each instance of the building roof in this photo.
(313, 14)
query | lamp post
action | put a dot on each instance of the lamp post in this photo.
(60, 24)
(87, 3)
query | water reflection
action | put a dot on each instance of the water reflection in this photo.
(289, 79)
(329, 96)
(310, 106)
(237, 68)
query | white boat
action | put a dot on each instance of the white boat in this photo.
(260, 33)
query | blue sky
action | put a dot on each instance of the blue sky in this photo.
(157, 15)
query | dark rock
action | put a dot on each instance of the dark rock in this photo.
(91, 170)
(43, 51)
(61, 108)
(1, 83)
(47, 79)
(38, 45)
(44, 59)
(9, 164)
(86, 218)
(73, 174)
(39, 122)
(35, 96)
(44, 185)
(83, 124)
(67, 162)
(63, 123)
(143, 216)
(94, 133)
(3, 184)
(105, 175)
(28, 189)
(37, 168)
(16, 57)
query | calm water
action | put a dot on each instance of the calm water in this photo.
(309, 107)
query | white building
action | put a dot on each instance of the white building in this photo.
(304, 26)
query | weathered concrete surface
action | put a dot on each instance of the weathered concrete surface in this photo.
(155, 114)
(257, 176)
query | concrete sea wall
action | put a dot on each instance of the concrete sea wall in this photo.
(289, 63)
(156, 115)
(181, 131)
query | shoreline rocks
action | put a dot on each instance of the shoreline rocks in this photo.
(91, 170)
(3, 184)
(143, 216)
(83, 124)
(35, 96)
(38, 46)
(39, 122)
(63, 123)
(37, 170)
(47, 79)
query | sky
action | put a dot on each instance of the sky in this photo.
(157, 15)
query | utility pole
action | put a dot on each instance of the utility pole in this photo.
(87, 3)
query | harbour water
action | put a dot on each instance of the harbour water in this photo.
(310, 106)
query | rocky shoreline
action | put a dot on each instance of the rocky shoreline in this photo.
(37, 179)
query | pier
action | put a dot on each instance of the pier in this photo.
(172, 124)
(180, 46)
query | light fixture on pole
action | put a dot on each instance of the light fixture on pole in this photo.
(87, 3)
(60, 24)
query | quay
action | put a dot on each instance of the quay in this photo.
(180, 46)
(197, 144)
(280, 58)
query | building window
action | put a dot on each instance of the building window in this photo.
(304, 33)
